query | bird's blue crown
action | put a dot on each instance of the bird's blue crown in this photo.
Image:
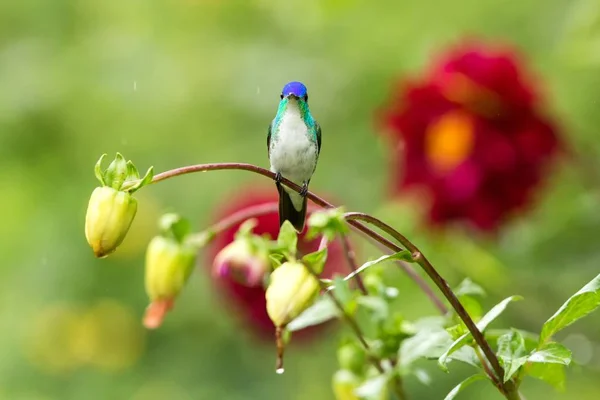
(296, 88)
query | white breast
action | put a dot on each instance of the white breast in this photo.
(292, 152)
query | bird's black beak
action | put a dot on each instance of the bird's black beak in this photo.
(291, 96)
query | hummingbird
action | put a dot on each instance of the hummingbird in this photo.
(294, 145)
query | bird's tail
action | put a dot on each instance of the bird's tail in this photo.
(287, 210)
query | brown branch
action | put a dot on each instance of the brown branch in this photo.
(421, 283)
(509, 388)
(420, 259)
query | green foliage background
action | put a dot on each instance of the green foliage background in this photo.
(187, 81)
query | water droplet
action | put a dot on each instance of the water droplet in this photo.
(280, 370)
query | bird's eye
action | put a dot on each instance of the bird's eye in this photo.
(281, 96)
(305, 97)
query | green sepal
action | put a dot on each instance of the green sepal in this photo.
(132, 172)
(98, 170)
(328, 223)
(288, 240)
(316, 260)
(147, 179)
(174, 226)
(201, 239)
(116, 172)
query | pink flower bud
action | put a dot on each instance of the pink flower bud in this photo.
(241, 262)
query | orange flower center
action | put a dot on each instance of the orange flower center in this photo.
(449, 141)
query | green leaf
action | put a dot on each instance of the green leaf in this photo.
(459, 388)
(328, 223)
(379, 307)
(98, 170)
(577, 306)
(465, 354)
(343, 292)
(401, 255)
(146, 180)
(321, 311)
(288, 238)
(472, 306)
(530, 339)
(420, 345)
(116, 172)
(511, 348)
(553, 374)
(468, 287)
(551, 353)
(481, 325)
(422, 376)
(374, 387)
(316, 260)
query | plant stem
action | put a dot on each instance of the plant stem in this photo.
(420, 259)
(347, 317)
(242, 215)
(410, 271)
(351, 259)
(508, 388)
(311, 196)
(398, 389)
(486, 368)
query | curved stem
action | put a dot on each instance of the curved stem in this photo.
(410, 271)
(311, 196)
(419, 258)
(351, 259)
(242, 215)
(353, 219)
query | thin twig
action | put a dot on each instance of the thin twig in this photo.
(242, 215)
(351, 322)
(419, 258)
(486, 368)
(421, 283)
(351, 259)
(509, 389)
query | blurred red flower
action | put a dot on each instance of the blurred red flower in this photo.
(249, 302)
(470, 137)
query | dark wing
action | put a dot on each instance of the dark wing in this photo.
(318, 129)
(269, 138)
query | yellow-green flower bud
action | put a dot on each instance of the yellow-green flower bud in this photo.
(291, 291)
(344, 383)
(168, 267)
(352, 357)
(112, 208)
(109, 215)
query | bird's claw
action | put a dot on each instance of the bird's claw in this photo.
(278, 178)
(304, 191)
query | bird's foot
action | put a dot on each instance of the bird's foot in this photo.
(304, 191)
(278, 178)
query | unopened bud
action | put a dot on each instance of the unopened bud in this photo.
(108, 218)
(344, 384)
(169, 264)
(352, 357)
(111, 208)
(242, 262)
(291, 291)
